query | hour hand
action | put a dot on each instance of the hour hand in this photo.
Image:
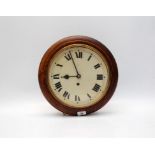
(67, 76)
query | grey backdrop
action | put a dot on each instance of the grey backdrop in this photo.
(24, 111)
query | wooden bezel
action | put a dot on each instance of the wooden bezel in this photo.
(43, 71)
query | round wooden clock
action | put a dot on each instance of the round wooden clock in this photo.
(78, 75)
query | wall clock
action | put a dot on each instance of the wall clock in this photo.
(78, 75)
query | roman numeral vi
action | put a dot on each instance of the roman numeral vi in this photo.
(77, 98)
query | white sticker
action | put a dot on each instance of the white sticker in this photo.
(81, 113)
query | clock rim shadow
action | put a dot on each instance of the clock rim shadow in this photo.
(100, 113)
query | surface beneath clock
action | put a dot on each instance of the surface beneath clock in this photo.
(120, 118)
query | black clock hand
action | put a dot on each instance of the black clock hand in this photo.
(78, 75)
(67, 76)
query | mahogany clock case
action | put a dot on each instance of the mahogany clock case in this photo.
(43, 69)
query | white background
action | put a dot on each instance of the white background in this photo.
(24, 112)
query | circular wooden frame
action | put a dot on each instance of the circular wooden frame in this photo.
(43, 71)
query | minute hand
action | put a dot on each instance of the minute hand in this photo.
(78, 75)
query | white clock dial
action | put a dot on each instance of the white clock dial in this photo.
(78, 75)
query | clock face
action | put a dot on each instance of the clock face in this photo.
(78, 75)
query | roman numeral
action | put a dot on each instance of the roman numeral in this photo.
(89, 96)
(59, 65)
(56, 76)
(77, 98)
(89, 57)
(66, 95)
(68, 56)
(58, 86)
(78, 54)
(97, 66)
(99, 76)
(96, 87)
